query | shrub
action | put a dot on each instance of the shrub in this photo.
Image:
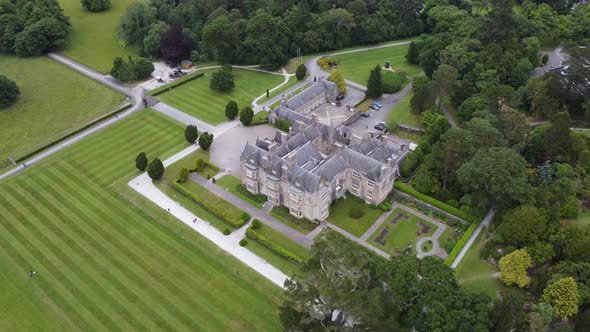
(256, 198)
(243, 242)
(183, 176)
(200, 165)
(245, 216)
(246, 115)
(356, 212)
(282, 125)
(231, 110)
(256, 224)
(141, 161)
(301, 72)
(213, 180)
(191, 133)
(209, 206)
(545, 59)
(278, 249)
(222, 81)
(96, 5)
(142, 68)
(327, 61)
(175, 84)
(205, 140)
(385, 206)
(137, 69)
(9, 91)
(392, 82)
(226, 232)
(405, 188)
(155, 169)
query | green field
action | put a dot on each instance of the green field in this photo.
(93, 39)
(231, 184)
(402, 234)
(357, 66)
(475, 274)
(401, 114)
(340, 215)
(582, 219)
(54, 100)
(197, 99)
(283, 241)
(108, 259)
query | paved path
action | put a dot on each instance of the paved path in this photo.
(357, 240)
(378, 223)
(258, 108)
(143, 185)
(485, 223)
(448, 115)
(134, 93)
(556, 59)
(182, 117)
(315, 232)
(254, 212)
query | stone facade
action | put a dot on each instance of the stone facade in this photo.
(314, 164)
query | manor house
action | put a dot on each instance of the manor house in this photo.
(314, 163)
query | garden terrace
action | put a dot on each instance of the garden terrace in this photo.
(353, 215)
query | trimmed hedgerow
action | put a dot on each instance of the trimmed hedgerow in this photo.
(275, 247)
(175, 84)
(210, 207)
(304, 223)
(256, 198)
(460, 244)
(434, 202)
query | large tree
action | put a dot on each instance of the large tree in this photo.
(9, 91)
(513, 268)
(268, 39)
(338, 79)
(155, 169)
(141, 161)
(222, 81)
(136, 22)
(444, 78)
(424, 94)
(175, 46)
(191, 133)
(562, 295)
(246, 115)
(231, 110)
(221, 37)
(375, 83)
(495, 177)
(523, 225)
(205, 140)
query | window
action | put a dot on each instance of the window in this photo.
(369, 194)
(355, 185)
(325, 195)
(370, 184)
(356, 175)
(251, 188)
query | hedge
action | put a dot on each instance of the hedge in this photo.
(175, 84)
(259, 198)
(273, 246)
(209, 207)
(460, 244)
(434, 202)
(72, 133)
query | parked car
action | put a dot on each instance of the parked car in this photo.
(378, 104)
(380, 126)
(338, 103)
(365, 115)
(374, 107)
(340, 97)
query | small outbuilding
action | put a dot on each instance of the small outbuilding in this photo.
(186, 64)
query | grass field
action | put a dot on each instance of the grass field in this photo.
(53, 101)
(401, 114)
(582, 219)
(197, 99)
(231, 183)
(475, 274)
(402, 234)
(283, 241)
(108, 259)
(357, 66)
(340, 215)
(93, 39)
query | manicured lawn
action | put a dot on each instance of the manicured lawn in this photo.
(93, 39)
(54, 100)
(475, 274)
(357, 66)
(449, 238)
(259, 118)
(172, 173)
(292, 81)
(197, 99)
(340, 215)
(108, 259)
(231, 183)
(400, 231)
(283, 241)
(401, 114)
(275, 260)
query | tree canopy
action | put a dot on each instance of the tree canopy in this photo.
(9, 91)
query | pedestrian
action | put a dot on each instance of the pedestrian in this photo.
(194, 220)
(168, 210)
(24, 165)
(116, 116)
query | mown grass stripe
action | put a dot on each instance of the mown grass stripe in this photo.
(176, 251)
(108, 238)
(72, 260)
(35, 243)
(126, 250)
(93, 251)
